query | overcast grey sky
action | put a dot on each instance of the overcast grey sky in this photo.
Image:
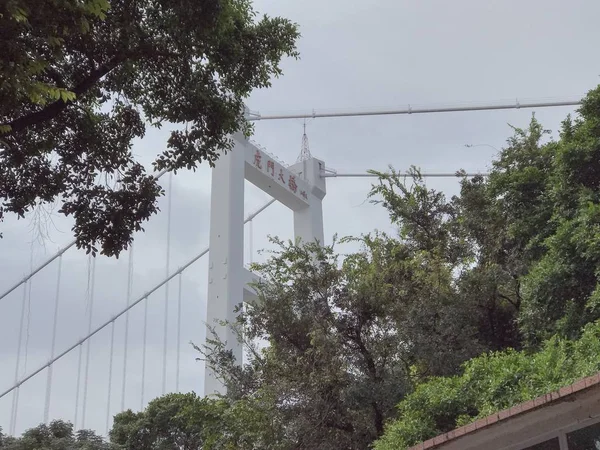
(381, 53)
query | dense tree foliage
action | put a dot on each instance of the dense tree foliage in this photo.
(187, 422)
(522, 244)
(174, 421)
(334, 358)
(490, 383)
(80, 79)
(58, 435)
(508, 263)
(346, 340)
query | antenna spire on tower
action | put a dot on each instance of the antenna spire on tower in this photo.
(305, 151)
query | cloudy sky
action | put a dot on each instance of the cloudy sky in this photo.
(354, 55)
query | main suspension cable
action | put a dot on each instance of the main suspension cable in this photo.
(115, 317)
(405, 174)
(413, 109)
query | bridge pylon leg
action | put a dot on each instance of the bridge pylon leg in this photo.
(226, 273)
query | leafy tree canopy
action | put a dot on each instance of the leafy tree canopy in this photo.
(523, 243)
(80, 79)
(185, 421)
(345, 339)
(490, 383)
(58, 435)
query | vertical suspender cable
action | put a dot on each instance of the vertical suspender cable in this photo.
(88, 344)
(178, 333)
(53, 344)
(251, 249)
(144, 352)
(78, 386)
(126, 343)
(15, 402)
(24, 319)
(167, 268)
(28, 321)
(110, 370)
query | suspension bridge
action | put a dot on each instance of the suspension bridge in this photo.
(50, 338)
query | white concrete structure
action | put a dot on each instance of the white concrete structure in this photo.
(301, 188)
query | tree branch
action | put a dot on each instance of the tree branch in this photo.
(54, 109)
(509, 300)
(56, 77)
(372, 368)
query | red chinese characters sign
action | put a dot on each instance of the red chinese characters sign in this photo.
(292, 184)
(258, 159)
(282, 175)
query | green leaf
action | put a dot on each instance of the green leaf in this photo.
(66, 95)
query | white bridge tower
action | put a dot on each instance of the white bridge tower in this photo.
(300, 187)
